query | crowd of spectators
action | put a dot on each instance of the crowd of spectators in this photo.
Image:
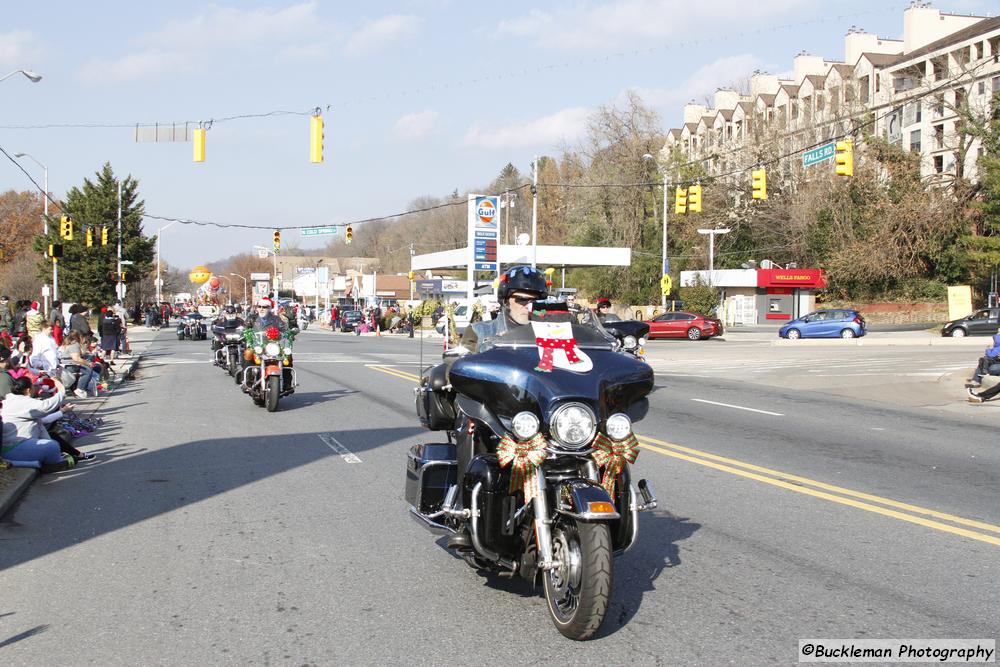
(45, 359)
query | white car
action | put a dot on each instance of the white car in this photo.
(462, 315)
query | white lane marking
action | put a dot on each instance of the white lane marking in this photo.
(335, 445)
(738, 407)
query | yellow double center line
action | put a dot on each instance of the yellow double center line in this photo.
(922, 516)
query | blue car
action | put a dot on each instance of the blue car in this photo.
(831, 323)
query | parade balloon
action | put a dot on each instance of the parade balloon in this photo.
(199, 275)
(214, 283)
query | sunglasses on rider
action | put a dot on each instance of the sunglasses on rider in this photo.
(524, 300)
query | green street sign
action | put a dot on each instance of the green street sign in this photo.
(316, 231)
(819, 154)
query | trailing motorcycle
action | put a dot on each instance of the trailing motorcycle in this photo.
(630, 334)
(192, 327)
(546, 411)
(229, 345)
(269, 374)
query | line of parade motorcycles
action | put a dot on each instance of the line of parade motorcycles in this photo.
(259, 361)
(532, 476)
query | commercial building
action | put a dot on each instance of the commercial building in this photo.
(761, 296)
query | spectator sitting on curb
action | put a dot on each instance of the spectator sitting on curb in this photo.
(27, 415)
(6, 379)
(45, 352)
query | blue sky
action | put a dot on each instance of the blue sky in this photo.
(424, 96)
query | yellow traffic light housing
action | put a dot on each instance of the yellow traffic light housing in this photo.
(65, 228)
(845, 158)
(199, 144)
(348, 235)
(90, 237)
(694, 198)
(55, 250)
(758, 180)
(277, 240)
(316, 139)
(680, 201)
(104, 236)
(410, 275)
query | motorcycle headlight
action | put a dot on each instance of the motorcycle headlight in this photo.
(524, 425)
(630, 342)
(287, 351)
(642, 340)
(573, 425)
(618, 426)
(272, 349)
(257, 349)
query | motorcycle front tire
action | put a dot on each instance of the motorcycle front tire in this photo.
(273, 393)
(234, 364)
(578, 591)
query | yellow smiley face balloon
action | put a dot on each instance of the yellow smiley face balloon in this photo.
(199, 275)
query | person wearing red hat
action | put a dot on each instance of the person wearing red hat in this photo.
(603, 308)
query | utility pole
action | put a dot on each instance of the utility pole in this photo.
(534, 213)
(666, 262)
(119, 287)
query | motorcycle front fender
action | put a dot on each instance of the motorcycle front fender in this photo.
(583, 499)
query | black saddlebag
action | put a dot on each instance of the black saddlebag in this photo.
(430, 470)
(434, 404)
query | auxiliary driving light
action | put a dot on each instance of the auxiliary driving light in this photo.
(618, 426)
(524, 425)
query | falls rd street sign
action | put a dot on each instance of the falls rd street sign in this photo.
(316, 231)
(819, 154)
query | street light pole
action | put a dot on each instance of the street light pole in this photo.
(244, 289)
(45, 221)
(159, 232)
(711, 250)
(316, 278)
(31, 76)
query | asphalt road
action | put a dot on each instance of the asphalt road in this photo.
(212, 532)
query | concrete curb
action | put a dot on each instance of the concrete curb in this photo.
(21, 480)
(884, 342)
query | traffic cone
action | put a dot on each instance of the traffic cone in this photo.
(378, 329)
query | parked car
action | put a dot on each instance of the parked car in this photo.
(827, 323)
(684, 325)
(983, 322)
(349, 319)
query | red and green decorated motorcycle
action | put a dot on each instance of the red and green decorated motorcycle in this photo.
(268, 373)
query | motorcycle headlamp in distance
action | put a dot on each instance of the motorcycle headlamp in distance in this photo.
(272, 349)
(524, 425)
(630, 343)
(287, 351)
(258, 349)
(573, 425)
(233, 336)
(618, 426)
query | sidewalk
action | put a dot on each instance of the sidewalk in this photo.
(14, 482)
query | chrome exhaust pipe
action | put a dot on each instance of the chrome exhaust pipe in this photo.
(648, 498)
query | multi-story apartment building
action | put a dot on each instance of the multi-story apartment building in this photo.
(907, 90)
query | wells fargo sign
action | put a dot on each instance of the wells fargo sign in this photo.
(791, 278)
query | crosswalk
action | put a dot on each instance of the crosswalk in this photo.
(900, 366)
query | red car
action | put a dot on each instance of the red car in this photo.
(684, 325)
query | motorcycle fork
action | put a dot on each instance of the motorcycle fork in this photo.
(543, 524)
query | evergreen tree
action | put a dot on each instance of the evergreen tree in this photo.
(87, 275)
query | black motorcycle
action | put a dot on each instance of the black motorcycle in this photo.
(548, 491)
(192, 327)
(229, 345)
(630, 334)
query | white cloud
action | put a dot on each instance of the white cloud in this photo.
(566, 125)
(621, 24)
(415, 125)
(725, 72)
(19, 49)
(182, 42)
(139, 66)
(381, 32)
(304, 53)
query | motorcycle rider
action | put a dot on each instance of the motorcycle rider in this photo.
(603, 308)
(227, 323)
(520, 286)
(265, 317)
(989, 359)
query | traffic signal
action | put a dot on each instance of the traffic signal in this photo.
(758, 179)
(349, 235)
(123, 276)
(680, 201)
(199, 145)
(104, 236)
(277, 240)
(316, 139)
(90, 237)
(410, 275)
(55, 250)
(845, 158)
(65, 228)
(694, 198)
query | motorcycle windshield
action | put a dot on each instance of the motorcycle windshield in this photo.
(508, 378)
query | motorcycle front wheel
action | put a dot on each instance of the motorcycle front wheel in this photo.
(272, 393)
(234, 364)
(578, 589)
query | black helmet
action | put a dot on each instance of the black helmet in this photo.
(230, 310)
(522, 278)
